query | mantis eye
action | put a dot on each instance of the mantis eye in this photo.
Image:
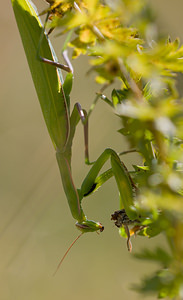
(102, 228)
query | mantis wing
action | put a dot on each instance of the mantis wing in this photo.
(47, 80)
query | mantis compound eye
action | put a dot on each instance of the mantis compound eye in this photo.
(102, 228)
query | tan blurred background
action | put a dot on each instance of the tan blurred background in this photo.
(36, 226)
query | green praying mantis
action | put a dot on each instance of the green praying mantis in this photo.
(54, 99)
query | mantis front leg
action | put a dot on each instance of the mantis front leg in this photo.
(91, 183)
(119, 171)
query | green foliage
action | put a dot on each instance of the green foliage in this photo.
(159, 256)
(165, 282)
(119, 38)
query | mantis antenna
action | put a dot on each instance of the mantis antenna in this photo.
(61, 261)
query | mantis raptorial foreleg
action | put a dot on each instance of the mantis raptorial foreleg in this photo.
(91, 183)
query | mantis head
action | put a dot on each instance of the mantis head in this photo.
(89, 226)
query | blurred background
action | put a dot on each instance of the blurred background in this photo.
(36, 226)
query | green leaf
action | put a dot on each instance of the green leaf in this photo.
(46, 78)
(122, 232)
(119, 95)
(151, 230)
(158, 255)
(124, 131)
(165, 282)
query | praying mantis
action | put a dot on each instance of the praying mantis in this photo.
(54, 98)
